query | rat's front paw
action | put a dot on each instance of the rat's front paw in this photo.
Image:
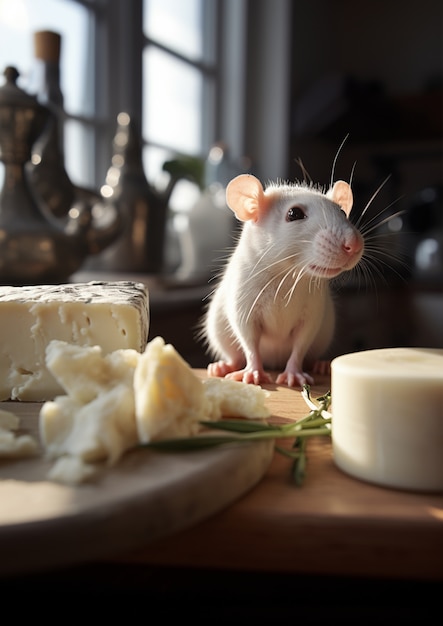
(251, 376)
(220, 369)
(294, 378)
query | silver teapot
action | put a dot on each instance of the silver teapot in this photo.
(37, 244)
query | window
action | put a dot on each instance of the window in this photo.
(175, 48)
(179, 78)
(191, 71)
(19, 19)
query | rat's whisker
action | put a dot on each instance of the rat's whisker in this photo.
(301, 273)
(365, 231)
(377, 254)
(283, 273)
(371, 199)
(260, 293)
(265, 268)
(306, 176)
(281, 283)
(351, 177)
(334, 162)
(259, 261)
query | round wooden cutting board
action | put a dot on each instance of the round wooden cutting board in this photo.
(146, 495)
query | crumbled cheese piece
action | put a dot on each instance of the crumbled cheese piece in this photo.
(169, 398)
(13, 445)
(232, 398)
(8, 420)
(95, 420)
(84, 372)
(71, 470)
(115, 401)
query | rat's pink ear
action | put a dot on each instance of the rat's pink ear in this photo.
(245, 196)
(341, 194)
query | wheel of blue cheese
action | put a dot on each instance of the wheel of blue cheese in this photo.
(112, 315)
(387, 417)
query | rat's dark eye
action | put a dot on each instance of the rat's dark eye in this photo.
(295, 213)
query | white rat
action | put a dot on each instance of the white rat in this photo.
(272, 307)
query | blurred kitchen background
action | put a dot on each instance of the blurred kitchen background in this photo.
(161, 102)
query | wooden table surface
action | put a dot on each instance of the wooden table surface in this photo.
(332, 525)
(334, 551)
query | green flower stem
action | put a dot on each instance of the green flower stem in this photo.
(313, 423)
(299, 465)
(185, 444)
(290, 453)
(236, 425)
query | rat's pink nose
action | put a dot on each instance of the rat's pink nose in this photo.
(353, 245)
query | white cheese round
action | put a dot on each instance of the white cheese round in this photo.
(387, 416)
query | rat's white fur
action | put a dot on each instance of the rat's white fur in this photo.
(272, 307)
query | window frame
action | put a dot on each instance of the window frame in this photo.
(253, 38)
(116, 83)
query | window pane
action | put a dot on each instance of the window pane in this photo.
(79, 153)
(19, 19)
(172, 102)
(176, 24)
(153, 159)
